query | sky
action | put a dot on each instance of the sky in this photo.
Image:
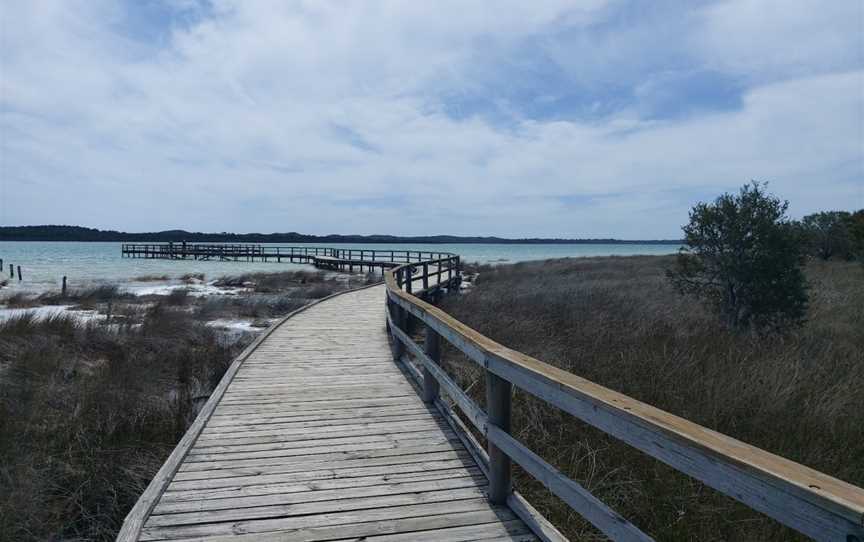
(546, 118)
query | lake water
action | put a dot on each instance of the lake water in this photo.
(43, 264)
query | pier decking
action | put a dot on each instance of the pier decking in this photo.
(341, 259)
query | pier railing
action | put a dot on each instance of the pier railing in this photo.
(813, 503)
(325, 256)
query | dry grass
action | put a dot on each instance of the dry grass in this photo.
(617, 322)
(88, 413)
(273, 282)
(151, 278)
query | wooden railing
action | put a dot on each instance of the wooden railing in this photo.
(806, 500)
(169, 250)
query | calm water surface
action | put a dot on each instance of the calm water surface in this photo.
(45, 263)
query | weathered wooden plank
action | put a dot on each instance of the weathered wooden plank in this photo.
(250, 489)
(325, 471)
(388, 453)
(317, 418)
(305, 447)
(236, 504)
(325, 431)
(534, 520)
(506, 530)
(316, 507)
(374, 444)
(417, 526)
(424, 420)
(289, 524)
(312, 405)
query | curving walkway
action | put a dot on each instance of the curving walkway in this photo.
(320, 436)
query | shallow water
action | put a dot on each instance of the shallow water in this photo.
(44, 264)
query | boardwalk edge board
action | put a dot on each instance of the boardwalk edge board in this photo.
(134, 522)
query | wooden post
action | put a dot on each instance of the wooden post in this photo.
(63, 290)
(398, 315)
(408, 278)
(1, 265)
(11, 271)
(432, 347)
(425, 276)
(498, 393)
(19, 273)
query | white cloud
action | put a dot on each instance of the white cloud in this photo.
(325, 117)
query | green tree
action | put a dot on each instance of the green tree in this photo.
(743, 256)
(855, 227)
(827, 234)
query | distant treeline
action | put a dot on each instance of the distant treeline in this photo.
(77, 233)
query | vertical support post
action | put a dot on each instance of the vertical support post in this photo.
(1, 265)
(408, 278)
(432, 347)
(407, 319)
(425, 276)
(11, 271)
(498, 392)
(63, 290)
(398, 315)
(19, 273)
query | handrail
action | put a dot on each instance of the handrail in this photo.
(377, 256)
(802, 498)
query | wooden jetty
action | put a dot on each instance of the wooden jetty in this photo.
(339, 424)
(343, 259)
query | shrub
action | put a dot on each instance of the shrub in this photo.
(855, 225)
(826, 234)
(151, 278)
(192, 277)
(743, 256)
(177, 296)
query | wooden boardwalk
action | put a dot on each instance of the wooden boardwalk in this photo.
(320, 436)
(315, 433)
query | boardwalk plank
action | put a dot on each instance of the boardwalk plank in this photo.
(365, 530)
(290, 524)
(320, 436)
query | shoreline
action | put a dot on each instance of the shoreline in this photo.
(119, 302)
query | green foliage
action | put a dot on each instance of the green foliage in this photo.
(826, 235)
(855, 226)
(743, 256)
